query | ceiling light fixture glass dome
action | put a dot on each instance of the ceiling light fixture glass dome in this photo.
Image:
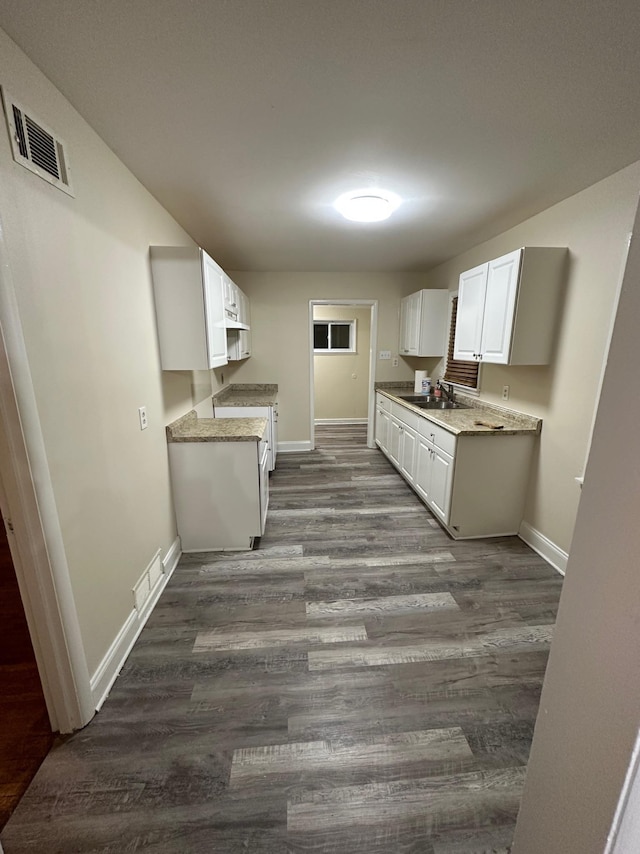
(367, 205)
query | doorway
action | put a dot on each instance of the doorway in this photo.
(342, 348)
(25, 731)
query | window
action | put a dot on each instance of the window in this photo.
(334, 336)
(456, 371)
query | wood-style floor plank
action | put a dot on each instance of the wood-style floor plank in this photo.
(358, 684)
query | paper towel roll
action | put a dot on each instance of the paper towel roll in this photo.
(420, 375)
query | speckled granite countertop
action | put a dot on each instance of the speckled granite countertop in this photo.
(247, 394)
(462, 422)
(190, 428)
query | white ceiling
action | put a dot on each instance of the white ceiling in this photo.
(247, 118)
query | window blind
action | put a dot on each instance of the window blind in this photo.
(457, 371)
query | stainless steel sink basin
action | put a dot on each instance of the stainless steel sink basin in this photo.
(429, 402)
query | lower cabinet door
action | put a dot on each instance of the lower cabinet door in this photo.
(408, 454)
(395, 438)
(441, 482)
(382, 429)
(422, 481)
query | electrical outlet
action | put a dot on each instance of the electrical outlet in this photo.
(505, 392)
(142, 414)
(395, 362)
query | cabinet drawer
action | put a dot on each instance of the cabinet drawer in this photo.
(440, 437)
(407, 416)
(383, 402)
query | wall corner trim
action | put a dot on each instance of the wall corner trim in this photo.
(107, 671)
(553, 554)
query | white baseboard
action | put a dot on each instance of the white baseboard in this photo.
(111, 665)
(330, 421)
(548, 550)
(294, 447)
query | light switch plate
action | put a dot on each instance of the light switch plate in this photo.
(385, 354)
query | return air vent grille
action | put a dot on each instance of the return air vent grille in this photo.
(36, 147)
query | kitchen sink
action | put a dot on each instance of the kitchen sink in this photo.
(429, 402)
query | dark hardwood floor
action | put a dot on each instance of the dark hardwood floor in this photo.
(359, 684)
(25, 733)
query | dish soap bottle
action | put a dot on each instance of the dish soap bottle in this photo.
(437, 392)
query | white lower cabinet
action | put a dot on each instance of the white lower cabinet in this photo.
(268, 412)
(434, 476)
(474, 484)
(220, 493)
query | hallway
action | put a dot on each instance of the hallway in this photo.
(358, 684)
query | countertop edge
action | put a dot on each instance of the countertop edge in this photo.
(246, 394)
(190, 428)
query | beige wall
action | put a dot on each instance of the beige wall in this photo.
(589, 715)
(341, 380)
(80, 268)
(280, 332)
(594, 225)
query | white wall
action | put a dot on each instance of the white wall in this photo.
(594, 225)
(80, 269)
(341, 380)
(280, 332)
(589, 714)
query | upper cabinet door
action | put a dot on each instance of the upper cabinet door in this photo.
(472, 290)
(499, 308)
(423, 323)
(409, 324)
(213, 282)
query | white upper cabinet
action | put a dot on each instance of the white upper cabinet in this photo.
(188, 289)
(236, 305)
(508, 308)
(423, 323)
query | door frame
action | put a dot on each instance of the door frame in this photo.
(30, 514)
(373, 344)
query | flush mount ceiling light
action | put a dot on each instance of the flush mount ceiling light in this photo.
(367, 205)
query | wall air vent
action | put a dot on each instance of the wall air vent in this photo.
(35, 146)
